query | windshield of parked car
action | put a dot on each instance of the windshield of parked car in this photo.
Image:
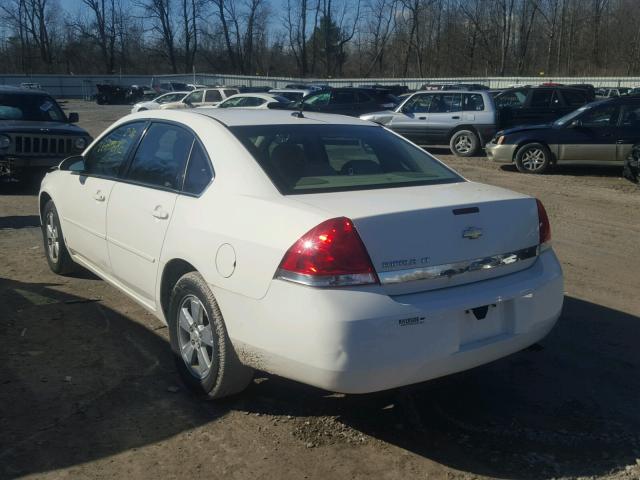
(30, 107)
(324, 158)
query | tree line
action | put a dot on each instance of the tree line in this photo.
(323, 38)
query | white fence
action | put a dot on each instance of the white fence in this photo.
(84, 86)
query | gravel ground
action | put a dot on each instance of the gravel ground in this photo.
(88, 388)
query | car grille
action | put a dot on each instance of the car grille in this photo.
(40, 145)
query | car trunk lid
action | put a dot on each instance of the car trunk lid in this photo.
(428, 237)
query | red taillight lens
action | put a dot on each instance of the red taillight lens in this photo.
(543, 224)
(331, 254)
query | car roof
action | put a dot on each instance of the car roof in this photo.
(265, 96)
(232, 117)
(285, 90)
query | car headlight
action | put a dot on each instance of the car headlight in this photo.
(4, 141)
(80, 143)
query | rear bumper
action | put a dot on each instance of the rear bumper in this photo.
(500, 153)
(361, 340)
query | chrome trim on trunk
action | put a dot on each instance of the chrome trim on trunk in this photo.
(458, 268)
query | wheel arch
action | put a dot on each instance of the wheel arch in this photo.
(173, 270)
(42, 201)
(465, 126)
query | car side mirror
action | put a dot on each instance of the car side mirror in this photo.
(576, 124)
(74, 163)
(74, 117)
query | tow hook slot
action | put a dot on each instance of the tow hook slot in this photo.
(480, 312)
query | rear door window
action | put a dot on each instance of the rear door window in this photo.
(199, 172)
(573, 98)
(213, 96)
(541, 98)
(161, 157)
(228, 93)
(472, 102)
(446, 103)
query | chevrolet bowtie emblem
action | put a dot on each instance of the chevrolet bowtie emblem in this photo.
(472, 233)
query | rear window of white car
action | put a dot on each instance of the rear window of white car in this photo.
(323, 158)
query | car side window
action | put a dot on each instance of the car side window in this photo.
(253, 102)
(574, 99)
(109, 154)
(228, 93)
(541, 98)
(446, 103)
(472, 102)
(320, 99)
(195, 97)
(631, 116)
(418, 103)
(600, 117)
(231, 102)
(161, 156)
(212, 96)
(199, 173)
(364, 97)
(343, 98)
(511, 99)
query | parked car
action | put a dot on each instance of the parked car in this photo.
(253, 100)
(526, 106)
(319, 248)
(35, 133)
(614, 92)
(463, 120)
(290, 93)
(347, 101)
(395, 90)
(159, 101)
(206, 97)
(602, 132)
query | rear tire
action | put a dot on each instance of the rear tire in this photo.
(464, 143)
(533, 158)
(204, 355)
(55, 249)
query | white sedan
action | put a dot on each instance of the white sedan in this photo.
(321, 248)
(159, 101)
(252, 101)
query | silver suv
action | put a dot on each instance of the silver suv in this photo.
(464, 120)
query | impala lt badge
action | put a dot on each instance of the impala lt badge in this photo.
(472, 233)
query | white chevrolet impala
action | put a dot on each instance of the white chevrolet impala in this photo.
(321, 248)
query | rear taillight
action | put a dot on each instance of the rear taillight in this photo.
(544, 228)
(329, 255)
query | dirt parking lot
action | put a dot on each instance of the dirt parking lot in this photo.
(88, 388)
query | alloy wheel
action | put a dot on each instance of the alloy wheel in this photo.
(533, 159)
(463, 144)
(195, 336)
(53, 239)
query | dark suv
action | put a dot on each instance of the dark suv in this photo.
(349, 101)
(530, 105)
(605, 132)
(35, 133)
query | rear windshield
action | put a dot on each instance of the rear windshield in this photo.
(324, 158)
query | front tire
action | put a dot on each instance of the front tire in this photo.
(55, 248)
(533, 158)
(203, 352)
(464, 143)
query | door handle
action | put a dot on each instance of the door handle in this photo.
(99, 196)
(159, 212)
(422, 118)
(456, 117)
